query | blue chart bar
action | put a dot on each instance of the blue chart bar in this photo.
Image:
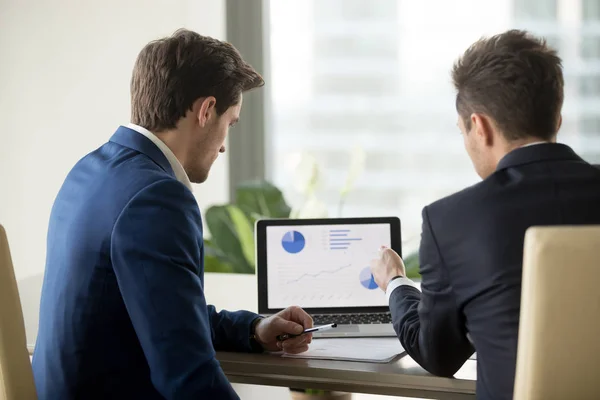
(338, 245)
(339, 240)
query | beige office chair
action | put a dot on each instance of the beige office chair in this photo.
(558, 353)
(16, 376)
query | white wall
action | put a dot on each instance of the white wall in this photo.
(64, 89)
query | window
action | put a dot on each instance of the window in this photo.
(376, 74)
(536, 11)
(589, 81)
(590, 10)
(590, 48)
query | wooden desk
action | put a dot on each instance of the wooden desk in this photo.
(401, 377)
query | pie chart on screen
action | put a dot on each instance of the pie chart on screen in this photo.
(293, 242)
(367, 280)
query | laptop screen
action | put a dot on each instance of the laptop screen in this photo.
(324, 266)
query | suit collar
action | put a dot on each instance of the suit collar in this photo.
(537, 153)
(136, 141)
(176, 166)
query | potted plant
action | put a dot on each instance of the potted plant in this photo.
(230, 247)
(411, 262)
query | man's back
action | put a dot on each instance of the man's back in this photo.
(480, 233)
(509, 98)
(123, 313)
(87, 343)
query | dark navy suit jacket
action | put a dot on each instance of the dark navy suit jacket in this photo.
(123, 313)
(471, 262)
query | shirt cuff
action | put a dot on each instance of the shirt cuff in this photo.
(396, 283)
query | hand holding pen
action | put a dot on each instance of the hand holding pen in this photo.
(292, 320)
(288, 336)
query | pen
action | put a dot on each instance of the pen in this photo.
(286, 336)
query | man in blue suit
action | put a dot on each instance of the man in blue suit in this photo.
(509, 101)
(123, 313)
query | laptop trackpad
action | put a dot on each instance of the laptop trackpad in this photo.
(347, 328)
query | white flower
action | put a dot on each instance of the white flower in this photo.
(306, 174)
(357, 166)
(312, 208)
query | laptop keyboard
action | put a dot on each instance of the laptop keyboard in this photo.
(348, 319)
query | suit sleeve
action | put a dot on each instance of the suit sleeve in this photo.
(231, 331)
(156, 251)
(429, 324)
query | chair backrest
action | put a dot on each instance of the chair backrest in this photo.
(16, 376)
(558, 353)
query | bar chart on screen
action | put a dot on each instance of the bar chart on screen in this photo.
(324, 266)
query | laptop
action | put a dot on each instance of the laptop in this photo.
(322, 265)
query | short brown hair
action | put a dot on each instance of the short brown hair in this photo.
(514, 78)
(171, 73)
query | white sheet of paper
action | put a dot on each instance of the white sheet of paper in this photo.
(376, 350)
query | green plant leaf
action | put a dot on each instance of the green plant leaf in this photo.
(212, 251)
(261, 198)
(245, 232)
(411, 262)
(226, 241)
(215, 264)
(231, 226)
(316, 392)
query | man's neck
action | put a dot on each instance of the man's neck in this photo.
(174, 141)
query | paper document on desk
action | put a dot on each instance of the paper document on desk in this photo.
(376, 350)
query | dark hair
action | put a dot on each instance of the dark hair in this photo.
(171, 73)
(514, 78)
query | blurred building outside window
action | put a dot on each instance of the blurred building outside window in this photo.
(364, 85)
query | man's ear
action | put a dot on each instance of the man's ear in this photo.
(483, 129)
(204, 109)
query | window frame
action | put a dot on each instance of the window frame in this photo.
(247, 28)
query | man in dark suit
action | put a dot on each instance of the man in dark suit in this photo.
(123, 313)
(509, 99)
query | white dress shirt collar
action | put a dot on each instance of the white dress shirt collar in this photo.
(180, 173)
(533, 144)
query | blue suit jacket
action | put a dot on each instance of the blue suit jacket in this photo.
(123, 313)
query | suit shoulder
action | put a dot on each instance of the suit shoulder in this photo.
(121, 168)
(107, 179)
(464, 198)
